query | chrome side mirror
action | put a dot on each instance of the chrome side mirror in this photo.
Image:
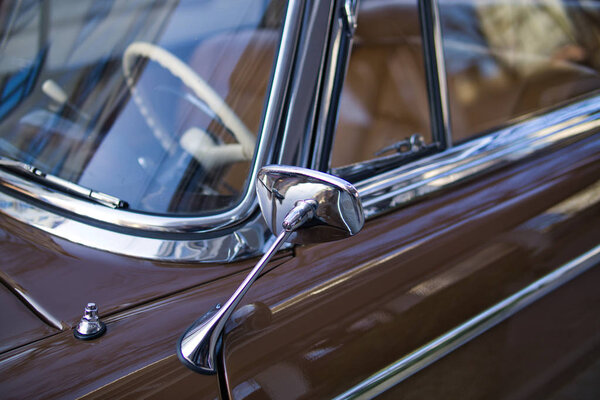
(336, 209)
(298, 204)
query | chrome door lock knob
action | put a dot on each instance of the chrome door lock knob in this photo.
(90, 326)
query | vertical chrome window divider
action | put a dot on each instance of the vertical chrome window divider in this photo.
(340, 48)
(437, 87)
(308, 76)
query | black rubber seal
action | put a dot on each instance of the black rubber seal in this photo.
(91, 336)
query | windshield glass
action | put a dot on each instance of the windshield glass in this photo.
(158, 103)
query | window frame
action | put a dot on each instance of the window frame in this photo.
(340, 48)
(402, 184)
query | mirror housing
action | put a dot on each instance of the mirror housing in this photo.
(338, 211)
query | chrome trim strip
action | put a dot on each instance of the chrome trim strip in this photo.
(247, 205)
(438, 45)
(450, 341)
(328, 94)
(335, 70)
(435, 68)
(307, 81)
(247, 241)
(402, 185)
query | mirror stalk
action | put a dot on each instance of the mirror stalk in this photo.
(197, 347)
(288, 197)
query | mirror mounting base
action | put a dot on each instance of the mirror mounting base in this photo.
(197, 347)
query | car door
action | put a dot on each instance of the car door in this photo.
(473, 276)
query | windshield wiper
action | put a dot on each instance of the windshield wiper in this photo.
(63, 184)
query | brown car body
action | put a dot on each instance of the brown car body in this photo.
(325, 318)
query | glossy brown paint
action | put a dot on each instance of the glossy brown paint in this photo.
(338, 311)
(64, 277)
(19, 324)
(345, 310)
(136, 356)
(550, 350)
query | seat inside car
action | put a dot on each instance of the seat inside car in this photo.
(497, 70)
(384, 98)
(500, 68)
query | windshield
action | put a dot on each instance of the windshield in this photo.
(157, 103)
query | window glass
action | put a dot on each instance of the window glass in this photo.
(384, 98)
(508, 58)
(157, 103)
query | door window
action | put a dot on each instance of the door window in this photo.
(506, 59)
(384, 99)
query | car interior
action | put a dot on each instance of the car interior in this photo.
(493, 77)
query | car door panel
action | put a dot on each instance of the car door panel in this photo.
(342, 311)
(549, 350)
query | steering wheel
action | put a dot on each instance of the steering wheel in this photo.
(197, 142)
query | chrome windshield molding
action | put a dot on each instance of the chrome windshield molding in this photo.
(450, 341)
(156, 223)
(403, 185)
(310, 64)
(247, 241)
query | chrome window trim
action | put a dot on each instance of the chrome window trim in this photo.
(207, 223)
(441, 73)
(244, 242)
(407, 183)
(435, 67)
(339, 50)
(312, 56)
(329, 97)
(469, 330)
(435, 76)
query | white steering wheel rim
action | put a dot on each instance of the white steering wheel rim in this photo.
(198, 86)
